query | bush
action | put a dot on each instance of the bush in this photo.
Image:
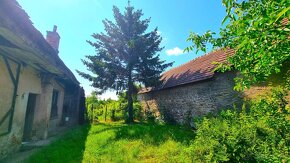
(261, 133)
(149, 116)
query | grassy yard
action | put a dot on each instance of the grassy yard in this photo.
(116, 142)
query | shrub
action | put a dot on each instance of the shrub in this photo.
(260, 133)
(149, 116)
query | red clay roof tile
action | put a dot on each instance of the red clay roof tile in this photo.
(199, 69)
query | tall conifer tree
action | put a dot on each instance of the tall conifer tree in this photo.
(125, 54)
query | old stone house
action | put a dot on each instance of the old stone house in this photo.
(39, 95)
(195, 89)
(192, 89)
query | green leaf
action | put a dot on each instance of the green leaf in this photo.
(282, 13)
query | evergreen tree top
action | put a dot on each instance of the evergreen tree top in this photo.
(125, 52)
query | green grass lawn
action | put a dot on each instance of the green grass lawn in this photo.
(116, 142)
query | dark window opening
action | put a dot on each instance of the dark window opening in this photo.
(54, 101)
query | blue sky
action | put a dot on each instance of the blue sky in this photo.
(77, 20)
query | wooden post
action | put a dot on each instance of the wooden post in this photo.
(106, 113)
(92, 111)
(113, 115)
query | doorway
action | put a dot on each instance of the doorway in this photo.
(29, 116)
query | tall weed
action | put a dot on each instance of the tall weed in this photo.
(260, 133)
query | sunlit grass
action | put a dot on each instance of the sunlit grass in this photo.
(116, 142)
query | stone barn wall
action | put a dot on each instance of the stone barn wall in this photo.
(179, 104)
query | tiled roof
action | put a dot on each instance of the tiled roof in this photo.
(199, 69)
(195, 70)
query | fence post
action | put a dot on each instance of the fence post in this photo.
(92, 111)
(106, 113)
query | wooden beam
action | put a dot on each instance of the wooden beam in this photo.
(15, 80)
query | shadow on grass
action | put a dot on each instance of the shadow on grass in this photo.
(69, 148)
(149, 133)
(109, 142)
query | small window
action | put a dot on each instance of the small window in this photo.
(54, 101)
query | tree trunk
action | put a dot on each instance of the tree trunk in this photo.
(130, 100)
(130, 108)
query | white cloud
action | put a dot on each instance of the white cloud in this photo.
(106, 95)
(175, 51)
(109, 94)
(159, 33)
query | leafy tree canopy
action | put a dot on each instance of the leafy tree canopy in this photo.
(259, 32)
(125, 54)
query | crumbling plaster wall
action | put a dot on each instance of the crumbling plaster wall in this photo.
(30, 81)
(56, 122)
(6, 94)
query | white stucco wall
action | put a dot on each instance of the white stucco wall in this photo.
(28, 83)
(6, 93)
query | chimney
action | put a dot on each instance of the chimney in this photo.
(53, 38)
